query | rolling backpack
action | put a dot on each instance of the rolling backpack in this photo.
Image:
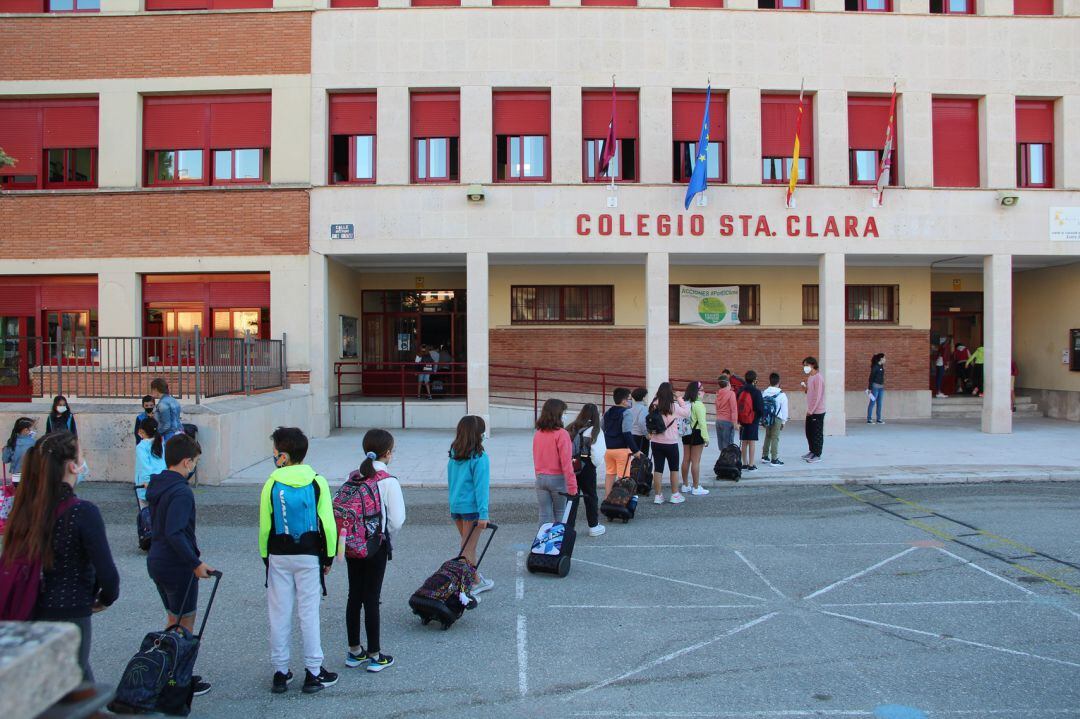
(745, 403)
(727, 465)
(358, 511)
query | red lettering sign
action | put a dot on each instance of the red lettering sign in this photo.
(644, 225)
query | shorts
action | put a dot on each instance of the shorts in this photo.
(749, 432)
(172, 593)
(465, 516)
(665, 453)
(423, 378)
(694, 439)
(615, 461)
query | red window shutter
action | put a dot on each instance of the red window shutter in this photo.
(521, 113)
(174, 291)
(596, 114)
(177, 4)
(1033, 7)
(241, 4)
(778, 117)
(71, 125)
(242, 121)
(69, 297)
(17, 6)
(687, 109)
(353, 114)
(23, 303)
(867, 119)
(20, 136)
(435, 114)
(240, 294)
(175, 123)
(1035, 121)
(956, 142)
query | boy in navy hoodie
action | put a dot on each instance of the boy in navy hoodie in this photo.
(174, 561)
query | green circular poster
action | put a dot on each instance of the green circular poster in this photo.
(712, 310)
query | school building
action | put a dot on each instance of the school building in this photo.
(362, 178)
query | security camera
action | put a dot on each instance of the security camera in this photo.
(475, 193)
(1008, 199)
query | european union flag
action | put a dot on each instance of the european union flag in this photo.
(698, 178)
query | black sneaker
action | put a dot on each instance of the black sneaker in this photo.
(380, 662)
(281, 682)
(313, 684)
(776, 462)
(199, 686)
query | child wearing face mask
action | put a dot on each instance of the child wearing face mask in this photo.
(298, 542)
(21, 439)
(60, 418)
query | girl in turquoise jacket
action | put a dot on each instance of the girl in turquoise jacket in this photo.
(468, 476)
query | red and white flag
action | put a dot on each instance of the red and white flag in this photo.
(607, 150)
(885, 169)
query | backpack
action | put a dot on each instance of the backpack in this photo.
(654, 422)
(684, 426)
(358, 512)
(580, 450)
(20, 579)
(294, 510)
(772, 409)
(745, 402)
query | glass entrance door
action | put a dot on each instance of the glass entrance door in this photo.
(14, 359)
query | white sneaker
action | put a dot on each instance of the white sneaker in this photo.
(483, 585)
(597, 530)
(699, 491)
(677, 498)
(939, 395)
(659, 498)
(687, 488)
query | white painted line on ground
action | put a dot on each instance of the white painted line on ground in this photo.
(520, 588)
(673, 655)
(757, 571)
(1004, 650)
(927, 604)
(725, 546)
(673, 581)
(522, 656)
(654, 606)
(855, 576)
(769, 713)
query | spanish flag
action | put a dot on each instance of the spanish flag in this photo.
(794, 173)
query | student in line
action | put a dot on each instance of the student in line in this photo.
(468, 475)
(695, 442)
(298, 543)
(975, 365)
(638, 410)
(665, 444)
(751, 409)
(60, 417)
(51, 525)
(775, 402)
(147, 411)
(587, 441)
(174, 561)
(369, 509)
(941, 364)
(168, 410)
(727, 414)
(552, 462)
(815, 409)
(875, 387)
(149, 457)
(18, 444)
(618, 428)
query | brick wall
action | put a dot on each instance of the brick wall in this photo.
(154, 223)
(701, 354)
(299, 377)
(155, 45)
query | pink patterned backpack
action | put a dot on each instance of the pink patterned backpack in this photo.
(358, 514)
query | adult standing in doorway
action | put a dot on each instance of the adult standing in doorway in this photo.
(875, 387)
(168, 410)
(815, 409)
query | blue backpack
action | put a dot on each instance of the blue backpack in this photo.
(294, 510)
(772, 409)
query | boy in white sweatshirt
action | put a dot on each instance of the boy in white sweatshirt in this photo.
(776, 416)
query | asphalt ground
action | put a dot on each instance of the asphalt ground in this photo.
(753, 602)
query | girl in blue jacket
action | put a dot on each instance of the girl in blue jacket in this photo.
(468, 474)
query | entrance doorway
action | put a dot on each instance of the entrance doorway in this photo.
(956, 317)
(15, 358)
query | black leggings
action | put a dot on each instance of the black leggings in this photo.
(365, 588)
(586, 480)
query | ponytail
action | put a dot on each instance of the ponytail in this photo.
(377, 443)
(149, 425)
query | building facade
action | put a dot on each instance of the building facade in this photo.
(368, 178)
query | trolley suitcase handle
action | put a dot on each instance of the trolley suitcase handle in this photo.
(494, 528)
(216, 574)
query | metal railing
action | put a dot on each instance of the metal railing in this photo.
(123, 367)
(398, 381)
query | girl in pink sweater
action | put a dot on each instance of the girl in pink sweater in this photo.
(553, 462)
(665, 445)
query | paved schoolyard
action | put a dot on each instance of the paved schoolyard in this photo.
(750, 603)
(951, 450)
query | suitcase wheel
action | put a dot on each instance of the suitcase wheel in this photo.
(564, 566)
(445, 626)
(530, 567)
(425, 621)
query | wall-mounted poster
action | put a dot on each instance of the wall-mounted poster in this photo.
(709, 306)
(350, 342)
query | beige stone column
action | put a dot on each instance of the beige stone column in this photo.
(831, 339)
(475, 3)
(119, 137)
(476, 145)
(654, 3)
(118, 6)
(1067, 142)
(831, 138)
(476, 319)
(654, 142)
(997, 141)
(657, 273)
(915, 136)
(319, 343)
(290, 119)
(827, 5)
(392, 143)
(997, 344)
(744, 136)
(993, 7)
(912, 7)
(741, 4)
(1068, 8)
(565, 3)
(566, 134)
(120, 300)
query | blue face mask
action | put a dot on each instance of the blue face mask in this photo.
(83, 472)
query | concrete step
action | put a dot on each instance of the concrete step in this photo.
(968, 400)
(969, 413)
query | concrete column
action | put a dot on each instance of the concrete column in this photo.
(476, 143)
(654, 140)
(108, 6)
(997, 344)
(1067, 141)
(654, 3)
(566, 150)
(744, 136)
(119, 137)
(657, 273)
(914, 130)
(290, 311)
(290, 118)
(1068, 8)
(831, 138)
(475, 3)
(912, 7)
(565, 3)
(741, 4)
(993, 7)
(476, 321)
(392, 143)
(997, 141)
(120, 315)
(394, 3)
(827, 5)
(319, 141)
(293, 4)
(831, 340)
(319, 342)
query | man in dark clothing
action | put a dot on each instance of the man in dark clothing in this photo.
(148, 411)
(174, 561)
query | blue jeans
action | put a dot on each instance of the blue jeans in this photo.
(725, 434)
(879, 396)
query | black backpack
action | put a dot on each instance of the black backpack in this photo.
(654, 422)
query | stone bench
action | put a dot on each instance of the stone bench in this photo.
(41, 660)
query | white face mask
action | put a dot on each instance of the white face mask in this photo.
(806, 369)
(62, 408)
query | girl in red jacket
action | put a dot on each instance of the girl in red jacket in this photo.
(553, 462)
